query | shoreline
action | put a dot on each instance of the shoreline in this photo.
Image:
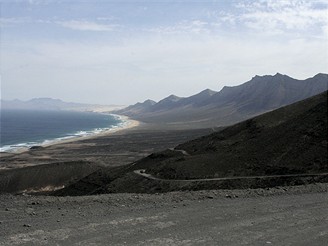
(126, 123)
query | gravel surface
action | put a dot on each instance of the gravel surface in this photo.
(295, 215)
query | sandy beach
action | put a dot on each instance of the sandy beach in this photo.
(115, 147)
(127, 123)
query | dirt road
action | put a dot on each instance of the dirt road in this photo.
(278, 216)
(143, 173)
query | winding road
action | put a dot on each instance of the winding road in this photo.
(143, 173)
(180, 150)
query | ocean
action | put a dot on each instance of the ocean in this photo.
(25, 128)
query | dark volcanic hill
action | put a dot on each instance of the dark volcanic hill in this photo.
(231, 104)
(289, 140)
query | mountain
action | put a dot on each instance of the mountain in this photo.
(54, 104)
(231, 104)
(138, 108)
(269, 92)
(166, 103)
(198, 99)
(291, 140)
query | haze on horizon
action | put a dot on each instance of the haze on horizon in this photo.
(121, 52)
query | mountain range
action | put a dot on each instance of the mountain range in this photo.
(287, 146)
(230, 105)
(54, 104)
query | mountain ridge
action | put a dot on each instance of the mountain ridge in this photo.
(47, 103)
(288, 145)
(231, 104)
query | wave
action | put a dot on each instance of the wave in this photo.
(70, 136)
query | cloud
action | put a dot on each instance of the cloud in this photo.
(279, 17)
(37, 2)
(12, 21)
(182, 27)
(41, 2)
(79, 25)
(293, 18)
(288, 16)
(154, 59)
(86, 25)
(102, 72)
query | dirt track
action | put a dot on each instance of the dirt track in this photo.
(149, 176)
(279, 216)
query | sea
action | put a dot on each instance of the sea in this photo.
(26, 128)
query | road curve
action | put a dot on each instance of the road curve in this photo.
(150, 176)
(180, 150)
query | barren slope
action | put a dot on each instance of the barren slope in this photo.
(290, 140)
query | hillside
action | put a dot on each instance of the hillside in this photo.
(288, 141)
(285, 141)
(231, 104)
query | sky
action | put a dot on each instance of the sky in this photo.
(124, 51)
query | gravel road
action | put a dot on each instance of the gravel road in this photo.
(142, 172)
(295, 215)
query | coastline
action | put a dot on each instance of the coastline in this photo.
(117, 147)
(126, 123)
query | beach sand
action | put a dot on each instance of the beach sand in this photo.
(119, 146)
(127, 123)
(60, 164)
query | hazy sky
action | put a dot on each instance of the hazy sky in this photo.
(121, 52)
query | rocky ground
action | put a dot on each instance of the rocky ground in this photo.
(296, 215)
